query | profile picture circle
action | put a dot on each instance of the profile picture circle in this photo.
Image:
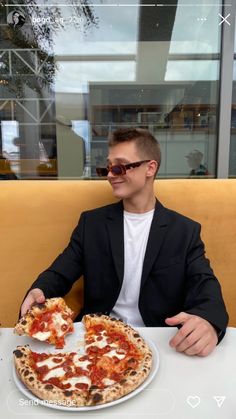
(16, 19)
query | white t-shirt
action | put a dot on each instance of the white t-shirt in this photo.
(136, 232)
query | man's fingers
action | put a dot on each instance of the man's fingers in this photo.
(207, 350)
(180, 318)
(183, 332)
(193, 343)
(35, 296)
(198, 346)
(196, 337)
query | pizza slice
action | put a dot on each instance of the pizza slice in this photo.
(47, 322)
(61, 378)
(123, 360)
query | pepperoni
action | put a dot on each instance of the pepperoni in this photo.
(116, 360)
(115, 376)
(39, 357)
(89, 341)
(42, 370)
(97, 374)
(98, 328)
(64, 327)
(93, 349)
(57, 360)
(79, 371)
(67, 368)
(83, 358)
(59, 342)
(124, 345)
(56, 382)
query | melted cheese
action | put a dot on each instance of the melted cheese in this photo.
(59, 322)
(56, 372)
(77, 380)
(42, 335)
(81, 364)
(113, 353)
(100, 344)
(49, 363)
(108, 382)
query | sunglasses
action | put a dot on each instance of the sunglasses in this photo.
(118, 169)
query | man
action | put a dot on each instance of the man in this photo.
(140, 261)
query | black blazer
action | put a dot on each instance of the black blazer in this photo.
(176, 274)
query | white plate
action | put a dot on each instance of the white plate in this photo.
(72, 345)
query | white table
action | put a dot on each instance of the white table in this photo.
(181, 381)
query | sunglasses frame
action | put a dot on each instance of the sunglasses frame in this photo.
(103, 171)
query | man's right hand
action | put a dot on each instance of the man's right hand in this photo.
(35, 296)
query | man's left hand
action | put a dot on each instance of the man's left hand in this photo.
(196, 336)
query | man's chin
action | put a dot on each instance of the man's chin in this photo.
(118, 194)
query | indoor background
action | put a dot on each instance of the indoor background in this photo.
(70, 74)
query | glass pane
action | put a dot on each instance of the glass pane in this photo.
(232, 155)
(71, 73)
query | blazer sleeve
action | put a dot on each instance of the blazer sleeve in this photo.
(57, 280)
(203, 290)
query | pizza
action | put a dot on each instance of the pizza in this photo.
(49, 322)
(116, 361)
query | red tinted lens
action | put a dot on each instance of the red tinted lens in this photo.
(101, 171)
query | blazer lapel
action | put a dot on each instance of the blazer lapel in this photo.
(115, 225)
(156, 236)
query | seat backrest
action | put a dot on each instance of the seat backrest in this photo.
(37, 218)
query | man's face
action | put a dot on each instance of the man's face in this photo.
(134, 181)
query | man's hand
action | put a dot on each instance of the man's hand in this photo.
(196, 336)
(35, 296)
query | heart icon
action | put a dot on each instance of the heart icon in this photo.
(193, 401)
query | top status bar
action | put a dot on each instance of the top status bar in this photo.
(117, 5)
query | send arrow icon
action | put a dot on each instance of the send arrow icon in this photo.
(219, 400)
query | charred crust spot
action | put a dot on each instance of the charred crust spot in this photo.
(97, 397)
(123, 381)
(144, 370)
(133, 372)
(31, 378)
(136, 335)
(68, 393)
(48, 387)
(23, 322)
(113, 319)
(130, 361)
(26, 373)
(18, 353)
(39, 305)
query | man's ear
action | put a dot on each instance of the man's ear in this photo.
(152, 168)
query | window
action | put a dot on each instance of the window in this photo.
(70, 75)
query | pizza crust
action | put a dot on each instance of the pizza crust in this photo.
(45, 391)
